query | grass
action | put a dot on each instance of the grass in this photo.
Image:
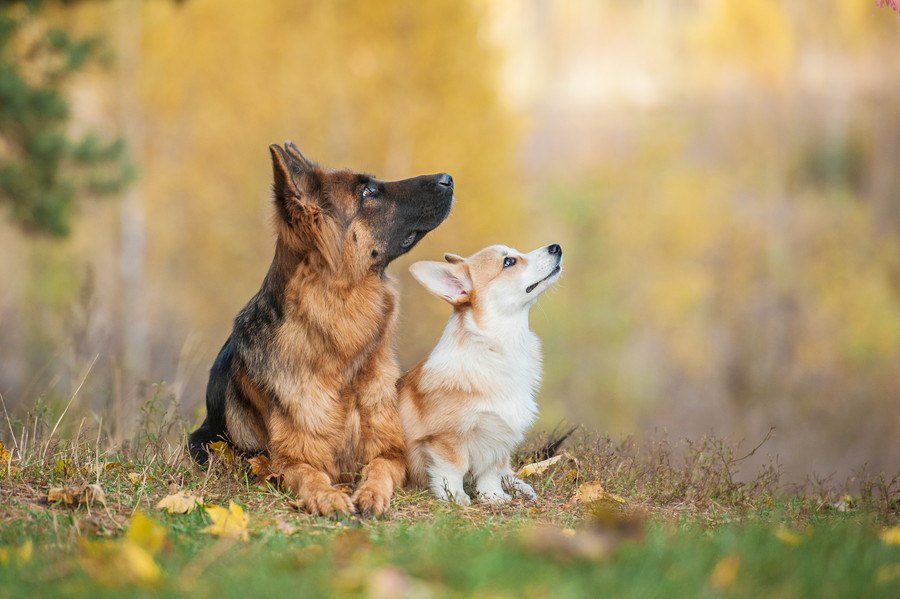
(687, 525)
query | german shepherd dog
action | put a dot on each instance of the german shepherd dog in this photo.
(309, 372)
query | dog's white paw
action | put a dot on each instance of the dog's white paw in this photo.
(460, 498)
(524, 488)
(494, 497)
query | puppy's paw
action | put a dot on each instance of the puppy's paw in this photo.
(494, 497)
(460, 498)
(369, 499)
(524, 488)
(329, 502)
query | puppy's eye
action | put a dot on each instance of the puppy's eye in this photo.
(370, 190)
(507, 262)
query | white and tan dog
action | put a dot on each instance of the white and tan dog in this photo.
(469, 403)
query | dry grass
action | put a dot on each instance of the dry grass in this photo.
(695, 479)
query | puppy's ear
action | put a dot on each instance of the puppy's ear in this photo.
(453, 258)
(450, 282)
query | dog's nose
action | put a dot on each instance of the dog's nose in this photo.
(554, 248)
(445, 180)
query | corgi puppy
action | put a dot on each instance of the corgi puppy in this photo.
(469, 403)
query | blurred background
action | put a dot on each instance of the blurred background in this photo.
(723, 175)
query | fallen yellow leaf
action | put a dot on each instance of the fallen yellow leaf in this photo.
(223, 450)
(594, 491)
(119, 562)
(6, 466)
(231, 523)
(537, 467)
(134, 477)
(891, 535)
(77, 495)
(21, 554)
(181, 502)
(787, 536)
(725, 572)
(262, 468)
(145, 533)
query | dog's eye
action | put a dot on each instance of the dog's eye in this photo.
(369, 191)
(507, 262)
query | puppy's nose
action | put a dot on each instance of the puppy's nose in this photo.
(445, 180)
(554, 248)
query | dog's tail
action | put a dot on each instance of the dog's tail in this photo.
(213, 427)
(554, 442)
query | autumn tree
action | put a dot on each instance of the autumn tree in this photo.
(44, 169)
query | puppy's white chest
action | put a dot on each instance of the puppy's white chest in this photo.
(507, 401)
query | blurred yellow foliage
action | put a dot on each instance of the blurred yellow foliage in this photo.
(230, 522)
(754, 34)
(127, 560)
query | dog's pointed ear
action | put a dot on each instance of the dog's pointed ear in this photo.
(294, 182)
(283, 182)
(450, 282)
(297, 155)
(453, 258)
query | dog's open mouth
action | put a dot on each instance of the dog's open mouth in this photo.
(531, 287)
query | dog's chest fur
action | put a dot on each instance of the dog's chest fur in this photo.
(495, 375)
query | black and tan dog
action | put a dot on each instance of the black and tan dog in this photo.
(309, 373)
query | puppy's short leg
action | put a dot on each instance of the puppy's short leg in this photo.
(446, 469)
(516, 484)
(489, 485)
(489, 481)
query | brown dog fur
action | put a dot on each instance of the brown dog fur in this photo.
(309, 373)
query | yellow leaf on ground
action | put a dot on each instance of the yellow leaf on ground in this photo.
(21, 554)
(262, 468)
(231, 523)
(537, 467)
(788, 536)
(145, 533)
(181, 502)
(75, 495)
(725, 572)
(134, 477)
(120, 562)
(6, 466)
(594, 491)
(891, 535)
(223, 451)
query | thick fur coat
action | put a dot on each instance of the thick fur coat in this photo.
(471, 401)
(309, 372)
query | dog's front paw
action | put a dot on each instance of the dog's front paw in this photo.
(369, 499)
(494, 497)
(524, 488)
(329, 502)
(459, 498)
